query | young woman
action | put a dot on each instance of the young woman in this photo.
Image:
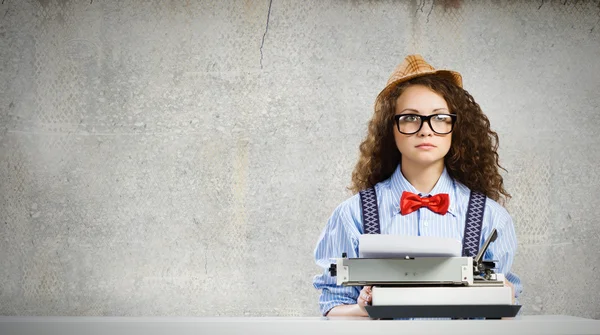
(429, 143)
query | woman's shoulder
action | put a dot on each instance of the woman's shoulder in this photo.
(350, 209)
(492, 207)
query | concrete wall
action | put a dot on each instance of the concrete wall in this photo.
(182, 157)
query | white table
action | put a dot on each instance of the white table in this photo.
(547, 324)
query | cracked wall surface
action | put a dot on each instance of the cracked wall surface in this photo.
(182, 157)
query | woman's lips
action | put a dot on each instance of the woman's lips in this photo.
(425, 146)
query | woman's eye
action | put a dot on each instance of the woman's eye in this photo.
(409, 118)
(440, 118)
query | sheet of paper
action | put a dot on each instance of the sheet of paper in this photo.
(399, 246)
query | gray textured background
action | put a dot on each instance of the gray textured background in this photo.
(182, 157)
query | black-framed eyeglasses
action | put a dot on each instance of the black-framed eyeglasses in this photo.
(409, 124)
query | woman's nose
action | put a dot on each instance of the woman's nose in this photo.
(425, 129)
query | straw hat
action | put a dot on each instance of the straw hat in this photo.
(415, 66)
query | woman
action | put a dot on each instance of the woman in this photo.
(428, 139)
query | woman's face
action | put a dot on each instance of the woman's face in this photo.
(424, 147)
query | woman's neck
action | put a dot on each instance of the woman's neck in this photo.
(423, 178)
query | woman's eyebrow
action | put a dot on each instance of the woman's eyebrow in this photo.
(416, 111)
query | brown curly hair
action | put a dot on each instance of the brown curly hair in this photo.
(472, 159)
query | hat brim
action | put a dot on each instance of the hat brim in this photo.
(453, 76)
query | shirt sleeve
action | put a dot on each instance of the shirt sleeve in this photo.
(504, 248)
(340, 235)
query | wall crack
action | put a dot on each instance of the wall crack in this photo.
(430, 10)
(265, 34)
(420, 6)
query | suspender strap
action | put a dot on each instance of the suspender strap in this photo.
(473, 221)
(473, 224)
(370, 211)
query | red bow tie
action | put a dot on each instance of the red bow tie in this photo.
(410, 202)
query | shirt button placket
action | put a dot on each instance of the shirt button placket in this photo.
(423, 222)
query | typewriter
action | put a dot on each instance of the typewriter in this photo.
(409, 286)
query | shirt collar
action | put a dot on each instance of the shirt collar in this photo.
(445, 184)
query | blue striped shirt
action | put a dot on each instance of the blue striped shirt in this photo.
(344, 227)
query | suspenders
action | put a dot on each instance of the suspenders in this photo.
(473, 221)
(370, 211)
(473, 224)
